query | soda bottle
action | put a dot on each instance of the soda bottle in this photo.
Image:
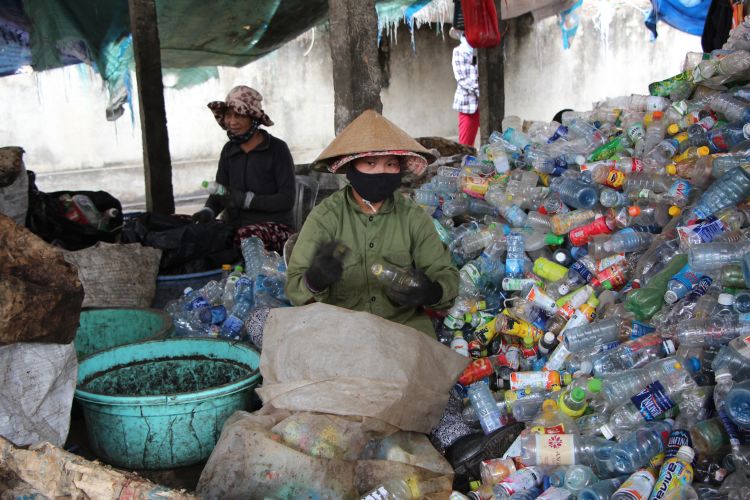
(394, 277)
(708, 331)
(601, 225)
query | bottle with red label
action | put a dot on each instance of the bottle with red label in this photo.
(484, 367)
(581, 235)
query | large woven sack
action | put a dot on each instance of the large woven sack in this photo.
(40, 294)
(115, 275)
(280, 454)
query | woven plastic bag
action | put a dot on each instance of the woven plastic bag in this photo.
(115, 275)
(481, 25)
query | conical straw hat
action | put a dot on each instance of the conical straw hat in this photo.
(369, 132)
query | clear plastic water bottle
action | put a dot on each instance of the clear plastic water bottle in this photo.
(234, 326)
(618, 388)
(729, 190)
(633, 354)
(574, 192)
(213, 187)
(681, 284)
(485, 407)
(713, 256)
(393, 489)
(581, 338)
(514, 260)
(738, 404)
(709, 331)
(734, 358)
(578, 477)
(601, 490)
(560, 449)
(637, 449)
(254, 254)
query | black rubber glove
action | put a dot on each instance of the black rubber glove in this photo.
(203, 216)
(239, 199)
(425, 293)
(326, 267)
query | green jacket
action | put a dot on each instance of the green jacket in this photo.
(400, 233)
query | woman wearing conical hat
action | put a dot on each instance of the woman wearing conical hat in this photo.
(367, 223)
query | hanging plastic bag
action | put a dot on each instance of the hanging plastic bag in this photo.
(480, 20)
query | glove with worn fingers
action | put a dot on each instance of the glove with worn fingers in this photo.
(203, 216)
(424, 293)
(326, 267)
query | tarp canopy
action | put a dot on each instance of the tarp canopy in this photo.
(195, 35)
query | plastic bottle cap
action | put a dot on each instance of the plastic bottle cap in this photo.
(226, 267)
(563, 289)
(204, 184)
(578, 394)
(567, 378)
(670, 297)
(669, 347)
(687, 452)
(606, 431)
(580, 159)
(746, 130)
(673, 129)
(549, 405)
(595, 385)
(671, 169)
(238, 268)
(528, 342)
(726, 299)
(695, 364)
(549, 338)
(674, 211)
(703, 150)
(658, 115)
(634, 211)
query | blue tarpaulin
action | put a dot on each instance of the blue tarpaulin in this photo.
(685, 15)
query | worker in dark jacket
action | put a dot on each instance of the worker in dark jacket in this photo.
(256, 171)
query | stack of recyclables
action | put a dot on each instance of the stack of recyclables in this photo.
(604, 292)
(221, 308)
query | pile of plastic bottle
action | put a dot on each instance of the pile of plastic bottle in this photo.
(604, 274)
(221, 308)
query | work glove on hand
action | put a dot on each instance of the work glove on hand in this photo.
(425, 292)
(203, 216)
(326, 267)
(239, 199)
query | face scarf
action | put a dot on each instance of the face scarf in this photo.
(373, 187)
(243, 138)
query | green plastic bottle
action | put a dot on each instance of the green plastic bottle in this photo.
(647, 301)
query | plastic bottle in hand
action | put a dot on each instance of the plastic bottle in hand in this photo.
(394, 277)
(213, 187)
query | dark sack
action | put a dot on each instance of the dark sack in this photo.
(46, 218)
(480, 20)
(186, 247)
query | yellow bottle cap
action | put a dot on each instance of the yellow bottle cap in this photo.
(703, 151)
(549, 405)
(226, 267)
(528, 341)
(673, 129)
(671, 169)
(674, 211)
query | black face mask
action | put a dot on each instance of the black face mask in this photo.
(243, 138)
(373, 187)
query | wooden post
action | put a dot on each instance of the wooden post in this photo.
(354, 52)
(157, 164)
(492, 84)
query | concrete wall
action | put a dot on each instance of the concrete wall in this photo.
(58, 116)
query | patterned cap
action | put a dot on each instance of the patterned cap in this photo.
(242, 100)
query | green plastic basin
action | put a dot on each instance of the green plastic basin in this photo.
(101, 329)
(161, 404)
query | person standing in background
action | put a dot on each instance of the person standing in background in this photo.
(466, 98)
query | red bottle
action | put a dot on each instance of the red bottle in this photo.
(581, 235)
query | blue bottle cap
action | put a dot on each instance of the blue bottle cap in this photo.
(694, 364)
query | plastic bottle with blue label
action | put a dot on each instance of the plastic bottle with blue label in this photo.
(234, 326)
(637, 449)
(681, 284)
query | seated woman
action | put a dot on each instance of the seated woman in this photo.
(257, 171)
(367, 223)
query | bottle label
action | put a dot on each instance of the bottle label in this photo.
(687, 277)
(542, 300)
(555, 449)
(680, 189)
(578, 267)
(677, 438)
(674, 474)
(700, 288)
(524, 479)
(232, 327)
(197, 303)
(614, 178)
(532, 380)
(486, 332)
(637, 487)
(709, 229)
(471, 271)
(453, 323)
(639, 329)
(652, 401)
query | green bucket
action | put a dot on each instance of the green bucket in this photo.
(101, 329)
(162, 403)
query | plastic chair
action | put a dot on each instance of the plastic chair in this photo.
(306, 196)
